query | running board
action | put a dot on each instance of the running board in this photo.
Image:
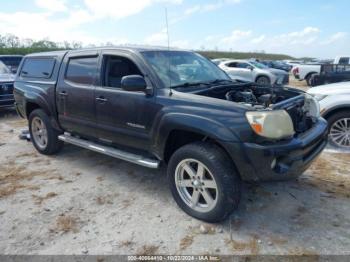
(110, 151)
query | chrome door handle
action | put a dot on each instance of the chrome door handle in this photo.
(101, 99)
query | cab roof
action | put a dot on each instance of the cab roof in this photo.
(131, 48)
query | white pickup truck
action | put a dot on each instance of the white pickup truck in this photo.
(305, 71)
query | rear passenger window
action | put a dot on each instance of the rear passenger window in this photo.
(38, 67)
(82, 70)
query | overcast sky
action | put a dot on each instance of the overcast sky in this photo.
(317, 28)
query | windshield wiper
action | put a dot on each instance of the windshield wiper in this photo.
(189, 84)
(218, 81)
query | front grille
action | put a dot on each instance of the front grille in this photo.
(301, 121)
(296, 110)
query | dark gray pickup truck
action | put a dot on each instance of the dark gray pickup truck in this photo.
(153, 106)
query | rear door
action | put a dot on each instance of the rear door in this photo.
(240, 69)
(123, 117)
(246, 70)
(75, 93)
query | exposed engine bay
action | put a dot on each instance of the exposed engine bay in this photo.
(248, 97)
(302, 108)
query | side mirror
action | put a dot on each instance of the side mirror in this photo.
(133, 83)
(251, 68)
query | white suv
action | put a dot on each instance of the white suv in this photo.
(334, 102)
(253, 71)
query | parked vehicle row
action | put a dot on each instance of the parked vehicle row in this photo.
(253, 71)
(277, 65)
(293, 63)
(153, 106)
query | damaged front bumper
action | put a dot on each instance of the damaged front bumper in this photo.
(280, 160)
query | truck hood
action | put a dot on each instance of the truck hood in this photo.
(7, 78)
(331, 89)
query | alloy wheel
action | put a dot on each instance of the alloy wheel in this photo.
(39, 133)
(196, 185)
(340, 132)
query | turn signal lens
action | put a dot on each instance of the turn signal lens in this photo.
(257, 128)
(271, 124)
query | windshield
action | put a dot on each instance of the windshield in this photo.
(4, 69)
(258, 65)
(175, 68)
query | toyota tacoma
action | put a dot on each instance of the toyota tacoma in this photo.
(154, 106)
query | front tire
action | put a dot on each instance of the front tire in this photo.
(263, 80)
(203, 181)
(339, 129)
(44, 137)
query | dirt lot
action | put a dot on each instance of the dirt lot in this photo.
(80, 202)
(298, 84)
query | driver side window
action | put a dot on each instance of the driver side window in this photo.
(242, 65)
(233, 65)
(115, 68)
(238, 65)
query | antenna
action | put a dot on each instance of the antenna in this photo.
(167, 33)
(167, 27)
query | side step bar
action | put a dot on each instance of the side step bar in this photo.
(110, 151)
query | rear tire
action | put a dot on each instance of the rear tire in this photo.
(209, 188)
(263, 80)
(44, 137)
(339, 129)
(308, 79)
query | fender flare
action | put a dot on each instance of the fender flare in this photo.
(330, 111)
(37, 99)
(192, 123)
(310, 74)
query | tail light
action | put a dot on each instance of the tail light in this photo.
(295, 70)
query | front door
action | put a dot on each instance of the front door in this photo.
(75, 93)
(123, 117)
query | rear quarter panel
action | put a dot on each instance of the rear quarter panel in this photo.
(39, 91)
(304, 70)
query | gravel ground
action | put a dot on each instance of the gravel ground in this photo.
(81, 202)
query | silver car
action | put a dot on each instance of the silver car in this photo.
(253, 71)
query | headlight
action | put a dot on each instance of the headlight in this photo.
(271, 124)
(319, 97)
(311, 106)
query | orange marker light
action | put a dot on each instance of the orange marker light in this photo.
(257, 128)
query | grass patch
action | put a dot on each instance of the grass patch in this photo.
(39, 200)
(148, 250)
(65, 224)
